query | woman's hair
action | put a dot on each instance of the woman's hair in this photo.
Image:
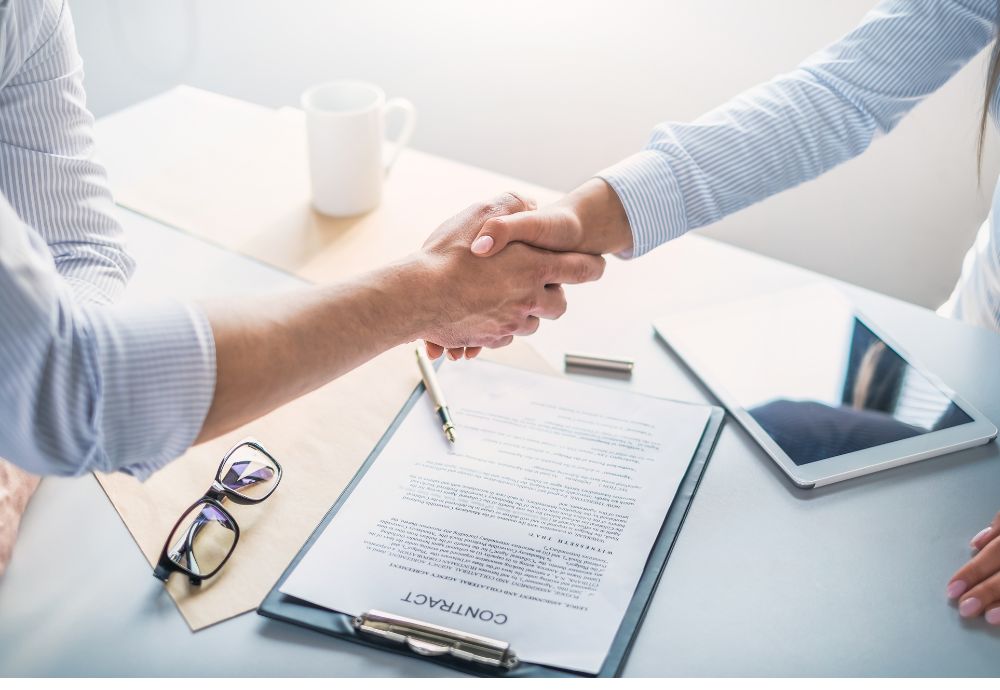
(992, 77)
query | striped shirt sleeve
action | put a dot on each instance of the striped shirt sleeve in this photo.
(801, 124)
(87, 387)
(48, 171)
(83, 385)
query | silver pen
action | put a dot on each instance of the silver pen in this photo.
(437, 397)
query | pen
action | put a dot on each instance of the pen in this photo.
(437, 397)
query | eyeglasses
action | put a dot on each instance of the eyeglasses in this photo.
(206, 534)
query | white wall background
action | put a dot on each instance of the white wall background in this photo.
(553, 90)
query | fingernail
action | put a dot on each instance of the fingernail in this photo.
(993, 616)
(482, 244)
(982, 535)
(969, 607)
(956, 589)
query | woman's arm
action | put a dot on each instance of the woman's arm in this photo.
(768, 139)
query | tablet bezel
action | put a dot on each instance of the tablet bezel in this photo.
(840, 467)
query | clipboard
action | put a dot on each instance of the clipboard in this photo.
(474, 654)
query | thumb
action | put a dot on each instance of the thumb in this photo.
(548, 229)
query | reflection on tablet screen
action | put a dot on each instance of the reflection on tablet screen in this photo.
(883, 399)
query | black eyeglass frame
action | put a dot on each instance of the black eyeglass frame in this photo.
(214, 497)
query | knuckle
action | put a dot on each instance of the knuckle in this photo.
(489, 209)
(502, 342)
(501, 205)
(498, 227)
(561, 305)
(527, 305)
(495, 223)
(509, 326)
(514, 201)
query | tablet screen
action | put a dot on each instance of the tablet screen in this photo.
(813, 375)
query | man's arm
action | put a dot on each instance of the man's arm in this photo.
(771, 138)
(92, 387)
(49, 175)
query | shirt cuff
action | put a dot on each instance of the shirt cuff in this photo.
(157, 380)
(652, 199)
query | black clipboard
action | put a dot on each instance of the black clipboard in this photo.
(291, 610)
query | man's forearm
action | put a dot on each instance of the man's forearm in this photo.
(275, 349)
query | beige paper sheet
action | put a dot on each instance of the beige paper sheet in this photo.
(235, 174)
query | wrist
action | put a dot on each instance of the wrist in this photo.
(601, 216)
(410, 296)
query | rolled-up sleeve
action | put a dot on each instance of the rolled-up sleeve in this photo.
(87, 387)
(801, 124)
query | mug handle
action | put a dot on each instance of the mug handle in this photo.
(410, 114)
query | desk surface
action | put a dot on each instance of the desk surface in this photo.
(765, 579)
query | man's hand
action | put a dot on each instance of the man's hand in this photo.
(479, 303)
(270, 350)
(16, 487)
(590, 219)
(976, 585)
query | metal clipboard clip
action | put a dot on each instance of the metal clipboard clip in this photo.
(427, 639)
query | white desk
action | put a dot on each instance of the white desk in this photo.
(765, 579)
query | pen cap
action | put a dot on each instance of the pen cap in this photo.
(595, 362)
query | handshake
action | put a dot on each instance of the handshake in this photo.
(496, 269)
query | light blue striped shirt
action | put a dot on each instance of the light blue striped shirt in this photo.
(801, 124)
(84, 385)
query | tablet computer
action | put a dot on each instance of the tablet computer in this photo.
(818, 385)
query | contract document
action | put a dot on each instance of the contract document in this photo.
(533, 528)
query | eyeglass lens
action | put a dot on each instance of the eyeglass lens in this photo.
(202, 540)
(249, 472)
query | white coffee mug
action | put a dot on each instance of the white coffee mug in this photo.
(345, 123)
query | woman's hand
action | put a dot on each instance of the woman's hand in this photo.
(976, 585)
(591, 219)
